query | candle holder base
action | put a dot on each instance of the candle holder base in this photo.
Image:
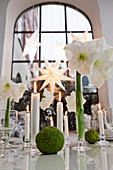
(103, 142)
(81, 146)
(67, 142)
(26, 145)
(34, 150)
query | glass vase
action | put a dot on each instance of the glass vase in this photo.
(80, 115)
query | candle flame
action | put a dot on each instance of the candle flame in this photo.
(66, 113)
(35, 87)
(51, 118)
(99, 106)
(59, 96)
(27, 108)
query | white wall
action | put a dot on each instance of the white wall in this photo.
(3, 8)
(106, 19)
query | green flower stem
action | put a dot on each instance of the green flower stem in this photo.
(7, 113)
(79, 107)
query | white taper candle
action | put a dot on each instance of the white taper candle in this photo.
(101, 123)
(66, 126)
(27, 125)
(60, 114)
(35, 114)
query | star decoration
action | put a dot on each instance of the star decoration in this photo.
(47, 100)
(82, 39)
(59, 52)
(71, 102)
(32, 45)
(52, 75)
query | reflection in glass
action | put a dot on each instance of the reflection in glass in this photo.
(49, 162)
(104, 159)
(6, 131)
(66, 157)
(82, 163)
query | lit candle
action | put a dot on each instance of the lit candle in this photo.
(101, 123)
(27, 124)
(16, 116)
(51, 121)
(35, 113)
(66, 126)
(60, 114)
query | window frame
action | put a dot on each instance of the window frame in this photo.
(40, 32)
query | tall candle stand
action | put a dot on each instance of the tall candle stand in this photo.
(66, 128)
(60, 114)
(101, 127)
(35, 115)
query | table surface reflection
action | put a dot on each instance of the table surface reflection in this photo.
(98, 158)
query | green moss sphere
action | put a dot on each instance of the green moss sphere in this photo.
(91, 136)
(50, 140)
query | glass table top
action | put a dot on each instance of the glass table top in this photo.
(98, 158)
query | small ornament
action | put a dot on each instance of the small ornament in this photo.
(82, 39)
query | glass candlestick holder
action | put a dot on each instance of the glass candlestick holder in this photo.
(102, 141)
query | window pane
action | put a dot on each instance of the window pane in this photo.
(76, 21)
(63, 65)
(23, 69)
(28, 21)
(53, 18)
(49, 44)
(79, 35)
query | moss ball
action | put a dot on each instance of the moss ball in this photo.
(50, 140)
(91, 136)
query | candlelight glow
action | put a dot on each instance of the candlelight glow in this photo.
(51, 118)
(27, 108)
(66, 113)
(99, 106)
(59, 96)
(35, 87)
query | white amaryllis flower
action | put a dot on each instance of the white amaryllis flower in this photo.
(47, 100)
(71, 102)
(101, 69)
(10, 89)
(81, 56)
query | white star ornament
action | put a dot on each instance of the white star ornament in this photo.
(82, 39)
(32, 45)
(52, 75)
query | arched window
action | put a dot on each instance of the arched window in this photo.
(55, 23)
